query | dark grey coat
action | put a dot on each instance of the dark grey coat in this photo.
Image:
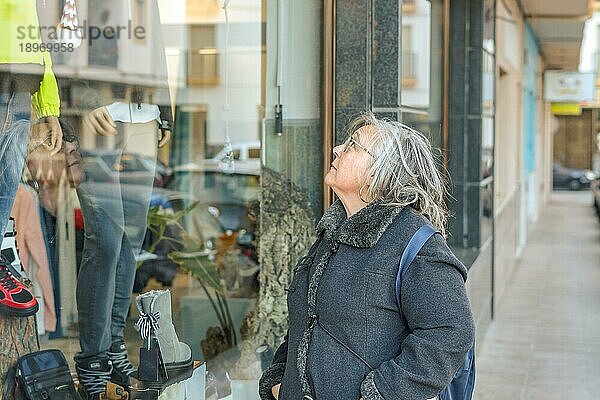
(343, 293)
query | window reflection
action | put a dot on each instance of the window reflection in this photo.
(422, 67)
(416, 53)
(172, 183)
(488, 121)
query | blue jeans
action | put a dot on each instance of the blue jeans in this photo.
(14, 133)
(115, 216)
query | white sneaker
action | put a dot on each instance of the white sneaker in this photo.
(10, 251)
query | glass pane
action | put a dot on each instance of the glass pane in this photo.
(424, 124)
(217, 63)
(487, 148)
(422, 66)
(175, 173)
(421, 59)
(489, 26)
(488, 120)
(416, 50)
(488, 78)
(487, 203)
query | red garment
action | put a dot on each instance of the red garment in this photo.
(78, 219)
(30, 241)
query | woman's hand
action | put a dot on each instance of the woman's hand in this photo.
(275, 390)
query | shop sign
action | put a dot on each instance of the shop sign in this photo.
(565, 86)
(566, 108)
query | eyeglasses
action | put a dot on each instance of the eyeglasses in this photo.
(73, 139)
(351, 143)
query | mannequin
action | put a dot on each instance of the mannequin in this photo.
(138, 121)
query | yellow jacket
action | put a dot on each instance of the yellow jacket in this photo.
(20, 45)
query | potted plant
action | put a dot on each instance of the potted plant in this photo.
(192, 254)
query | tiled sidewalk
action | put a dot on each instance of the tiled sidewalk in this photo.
(544, 343)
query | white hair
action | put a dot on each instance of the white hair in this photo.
(404, 170)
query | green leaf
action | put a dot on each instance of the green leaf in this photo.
(158, 218)
(200, 266)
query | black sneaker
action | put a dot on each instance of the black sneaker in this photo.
(94, 375)
(122, 368)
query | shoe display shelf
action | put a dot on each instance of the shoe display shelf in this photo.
(191, 388)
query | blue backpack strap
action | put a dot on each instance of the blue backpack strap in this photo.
(463, 383)
(408, 256)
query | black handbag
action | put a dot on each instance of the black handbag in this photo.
(44, 375)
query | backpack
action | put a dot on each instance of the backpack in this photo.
(462, 385)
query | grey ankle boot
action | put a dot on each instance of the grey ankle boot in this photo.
(155, 306)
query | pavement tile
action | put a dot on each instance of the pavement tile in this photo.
(544, 342)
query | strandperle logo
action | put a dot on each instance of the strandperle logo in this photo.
(85, 32)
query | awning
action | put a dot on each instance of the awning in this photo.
(558, 25)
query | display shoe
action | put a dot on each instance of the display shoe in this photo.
(15, 298)
(10, 252)
(94, 376)
(157, 331)
(122, 368)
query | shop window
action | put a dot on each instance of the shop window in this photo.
(138, 13)
(421, 59)
(409, 59)
(198, 211)
(409, 6)
(197, 9)
(596, 58)
(409, 67)
(254, 153)
(103, 51)
(203, 57)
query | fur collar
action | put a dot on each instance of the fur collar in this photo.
(362, 229)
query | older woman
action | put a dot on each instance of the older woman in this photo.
(50, 169)
(54, 176)
(346, 338)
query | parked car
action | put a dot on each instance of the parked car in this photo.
(596, 193)
(203, 222)
(231, 193)
(106, 165)
(571, 178)
(242, 151)
(245, 159)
